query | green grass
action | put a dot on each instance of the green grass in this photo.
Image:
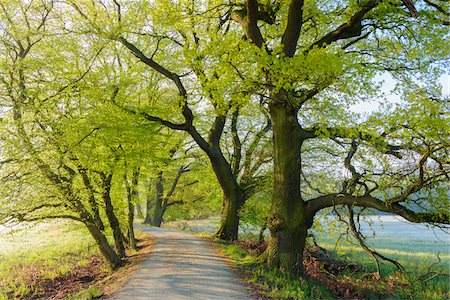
(392, 285)
(416, 265)
(44, 251)
(272, 283)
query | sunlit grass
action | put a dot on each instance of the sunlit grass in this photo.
(44, 251)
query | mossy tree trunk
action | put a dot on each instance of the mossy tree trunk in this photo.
(287, 216)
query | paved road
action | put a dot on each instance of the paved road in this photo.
(181, 266)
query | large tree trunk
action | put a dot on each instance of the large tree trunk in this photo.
(287, 219)
(234, 197)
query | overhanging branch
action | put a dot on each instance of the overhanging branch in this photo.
(331, 200)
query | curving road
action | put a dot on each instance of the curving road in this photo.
(181, 266)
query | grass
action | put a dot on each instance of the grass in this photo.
(35, 256)
(392, 285)
(60, 260)
(271, 283)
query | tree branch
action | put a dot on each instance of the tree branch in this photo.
(293, 27)
(154, 65)
(331, 200)
(350, 29)
(237, 145)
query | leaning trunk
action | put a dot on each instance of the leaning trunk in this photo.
(113, 221)
(106, 250)
(287, 219)
(234, 197)
(92, 201)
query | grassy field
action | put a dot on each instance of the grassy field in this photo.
(37, 257)
(414, 246)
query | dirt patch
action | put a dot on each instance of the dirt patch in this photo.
(78, 279)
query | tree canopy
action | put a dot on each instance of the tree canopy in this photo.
(263, 88)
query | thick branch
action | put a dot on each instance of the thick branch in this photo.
(293, 27)
(317, 131)
(154, 65)
(217, 130)
(237, 145)
(350, 29)
(248, 18)
(321, 202)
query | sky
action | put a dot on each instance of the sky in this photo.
(388, 89)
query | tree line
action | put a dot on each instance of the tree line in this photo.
(98, 96)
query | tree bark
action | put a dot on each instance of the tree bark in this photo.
(92, 201)
(132, 194)
(109, 210)
(148, 206)
(111, 256)
(287, 216)
(234, 197)
(130, 221)
(158, 209)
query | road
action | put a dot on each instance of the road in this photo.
(182, 266)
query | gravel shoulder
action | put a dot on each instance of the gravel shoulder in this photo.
(182, 266)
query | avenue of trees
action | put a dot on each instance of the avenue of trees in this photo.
(111, 108)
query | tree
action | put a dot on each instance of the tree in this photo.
(308, 61)
(59, 150)
(294, 67)
(235, 176)
(346, 46)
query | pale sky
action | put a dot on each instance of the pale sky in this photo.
(388, 88)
